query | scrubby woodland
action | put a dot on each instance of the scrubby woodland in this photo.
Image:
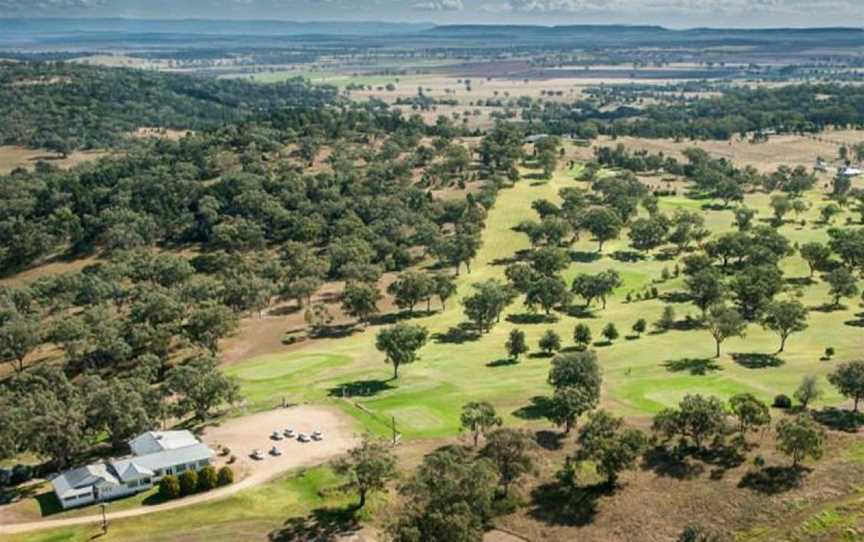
(273, 197)
(63, 106)
(192, 235)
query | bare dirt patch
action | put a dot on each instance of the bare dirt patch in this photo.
(160, 133)
(243, 435)
(260, 336)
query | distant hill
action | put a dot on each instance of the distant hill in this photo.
(118, 33)
(631, 35)
(201, 26)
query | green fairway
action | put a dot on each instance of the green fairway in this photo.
(641, 376)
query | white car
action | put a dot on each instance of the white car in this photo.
(289, 433)
(257, 455)
(275, 451)
(276, 435)
(316, 435)
(303, 437)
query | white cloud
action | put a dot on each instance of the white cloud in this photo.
(440, 5)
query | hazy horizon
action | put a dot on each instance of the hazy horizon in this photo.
(668, 13)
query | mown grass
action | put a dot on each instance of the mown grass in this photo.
(253, 514)
(641, 375)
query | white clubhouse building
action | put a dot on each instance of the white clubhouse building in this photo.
(154, 455)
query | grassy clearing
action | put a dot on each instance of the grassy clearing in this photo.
(12, 157)
(641, 375)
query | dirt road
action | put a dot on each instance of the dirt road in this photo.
(241, 436)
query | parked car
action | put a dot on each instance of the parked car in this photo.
(316, 435)
(275, 451)
(303, 437)
(289, 433)
(257, 455)
(276, 435)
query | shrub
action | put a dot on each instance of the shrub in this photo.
(206, 478)
(782, 401)
(829, 352)
(188, 482)
(225, 477)
(169, 487)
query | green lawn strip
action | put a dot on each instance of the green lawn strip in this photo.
(251, 514)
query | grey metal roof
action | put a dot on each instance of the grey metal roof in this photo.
(129, 469)
(182, 448)
(168, 458)
(158, 441)
(80, 480)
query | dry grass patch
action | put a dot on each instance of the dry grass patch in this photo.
(13, 156)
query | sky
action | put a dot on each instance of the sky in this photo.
(671, 13)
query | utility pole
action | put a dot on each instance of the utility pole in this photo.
(104, 518)
(393, 425)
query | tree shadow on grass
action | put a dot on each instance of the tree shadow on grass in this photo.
(580, 256)
(503, 362)
(538, 409)
(694, 366)
(322, 525)
(530, 319)
(549, 440)
(627, 256)
(360, 388)
(555, 504)
(723, 458)
(334, 332)
(756, 360)
(839, 420)
(395, 317)
(457, 335)
(154, 498)
(858, 322)
(675, 297)
(580, 311)
(828, 308)
(665, 254)
(774, 480)
(671, 464)
(541, 355)
(506, 261)
(286, 310)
